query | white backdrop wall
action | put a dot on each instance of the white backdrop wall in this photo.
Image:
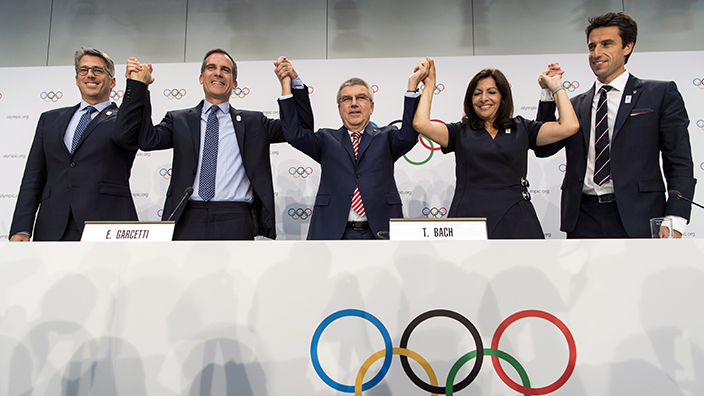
(425, 177)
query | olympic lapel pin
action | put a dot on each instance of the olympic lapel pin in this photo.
(239, 118)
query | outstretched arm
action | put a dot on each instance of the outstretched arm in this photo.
(567, 125)
(434, 131)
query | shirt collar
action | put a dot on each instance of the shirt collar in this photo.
(224, 107)
(618, 83)
(100, 106)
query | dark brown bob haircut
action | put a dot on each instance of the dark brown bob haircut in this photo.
(504, 117)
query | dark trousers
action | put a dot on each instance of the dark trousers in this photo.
(598, 220)
(352, 233)
(214, 221)
(73, 231)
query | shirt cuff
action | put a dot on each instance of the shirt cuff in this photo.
(678, 223)
(412, 94)
(285, 97)
(546, 96)
(297, 83)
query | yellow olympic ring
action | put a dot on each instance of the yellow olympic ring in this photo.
(397, 351)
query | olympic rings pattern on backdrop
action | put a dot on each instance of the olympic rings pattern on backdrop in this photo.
(116, 95)
(439, 88)
(165, 173)
(174, 93)
(571, 85)
(240, 92)
(698, 82)
(449, 387)
(300, 171)
(51, 96)
(300, 213)
(434, 213)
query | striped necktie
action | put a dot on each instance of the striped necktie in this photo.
(357, 205)
(602, 145)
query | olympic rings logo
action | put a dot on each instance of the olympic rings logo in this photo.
(51, 96)
(698, 82)
(450, 386)
(310, 90)
(434, 213)
(300, 172)
(571, 85)
(700, 123)
(116, 95)
(701, 166)
(425, 142)
(300, 213)
(375, 88)
(439, 88)
(165, 173)
(160, 212)
(562, 168)
(239, 92)
(175, 93)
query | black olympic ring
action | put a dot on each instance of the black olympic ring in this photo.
(174, 93)
(51, 96)
(571, 85)
(300, 213)
(115, 95)
(240, 92)
(434, 212)
(300, 171)
(477, 340)
(439, 88)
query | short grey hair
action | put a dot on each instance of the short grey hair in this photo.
(219, 51)
(355, 81)
(109, 64)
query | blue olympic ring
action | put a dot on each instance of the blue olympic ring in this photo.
(701, 166)
(387, 346)
(160, 212)
(562, 168)
(51, 96)
(437, 213)
(700, 123)
(174, 93)
(165, 173)
(698, 82)
(239, 92)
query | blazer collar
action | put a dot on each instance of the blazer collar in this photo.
(628, 100)
(343, 136)
(107, 113)
(193, 118)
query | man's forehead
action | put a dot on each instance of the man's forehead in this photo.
(354, 88)
(90, 59)
(218, 59)
(605, 34)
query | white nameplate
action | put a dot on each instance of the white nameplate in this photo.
(127, 231)
(465, 229)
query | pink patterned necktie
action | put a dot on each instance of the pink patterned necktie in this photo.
(356, 196)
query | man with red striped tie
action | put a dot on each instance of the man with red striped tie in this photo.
(357, 194)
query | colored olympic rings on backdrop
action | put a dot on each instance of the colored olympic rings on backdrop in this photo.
(375, 88)
(239, 92)
(51, 96)
(165, 173)
(439, 88)
(0, 95)
(450, 387)
(300, 171)
(701, 166)
(174, 93)
(116, 95)
(310, 90)
(300, 213)
(698, 82)
(570, 85)
(425, 142)
(160, 212)
(700, 123)
(434, 213)
(562, 168)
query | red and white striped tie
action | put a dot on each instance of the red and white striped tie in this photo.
(357, 205)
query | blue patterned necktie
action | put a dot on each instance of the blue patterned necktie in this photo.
(82, 124)
(209, 165)
(602, 145)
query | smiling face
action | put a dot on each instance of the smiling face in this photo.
(217, 79)
(356, 107)
(486, 99)
(94, 89)
(607, 55)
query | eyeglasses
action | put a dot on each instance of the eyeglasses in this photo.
(348, 99)
(97, 70)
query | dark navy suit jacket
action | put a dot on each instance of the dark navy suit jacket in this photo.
(653, 122)
(180, 130)
(92, 183)
(373, 170)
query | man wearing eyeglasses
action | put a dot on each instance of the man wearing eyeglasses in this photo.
(357, 194)
(78, 169)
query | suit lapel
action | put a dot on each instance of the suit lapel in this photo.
(629, 98)
(236, 116)
(343, 137)
(585, 122)
(107, 113)
(193, 120)
(370, 133)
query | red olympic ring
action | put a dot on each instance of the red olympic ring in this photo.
(571, 363)
(310, 90)
(420, 137)
(375, 88)
(0, 95)
(439, 88)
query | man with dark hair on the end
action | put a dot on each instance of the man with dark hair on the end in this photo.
(613, 183)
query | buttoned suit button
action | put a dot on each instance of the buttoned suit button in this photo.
(72, 165)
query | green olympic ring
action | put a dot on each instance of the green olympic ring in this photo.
(487, 352)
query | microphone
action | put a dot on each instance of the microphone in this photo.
(186, 193)
(680, 196)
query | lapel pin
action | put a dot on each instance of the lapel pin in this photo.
(239, 118)
(108, 113)
(628, 99)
